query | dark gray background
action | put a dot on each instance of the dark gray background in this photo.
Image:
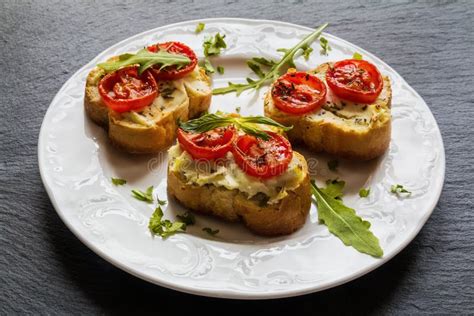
(45, 269)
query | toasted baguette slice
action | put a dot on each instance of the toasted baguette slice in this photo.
(341, 128)
(280, 218)
(153, 128)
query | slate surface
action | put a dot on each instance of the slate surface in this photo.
(46, 270)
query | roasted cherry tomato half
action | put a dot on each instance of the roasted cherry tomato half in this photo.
(355, 80)
(212, 144)
(262, 158)
(173, 72)
(125, 90)
(298, 93)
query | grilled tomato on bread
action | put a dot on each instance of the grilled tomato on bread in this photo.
(352, 117)
(240, 171)
(138, 98)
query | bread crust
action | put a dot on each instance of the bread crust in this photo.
(334, 136)
(148, 138)
(282, 218)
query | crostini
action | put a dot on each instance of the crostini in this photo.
(140, 97)
(236, 169)
(341, 108)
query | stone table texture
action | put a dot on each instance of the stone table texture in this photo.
(46, 270)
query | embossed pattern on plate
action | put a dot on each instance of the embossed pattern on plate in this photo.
(76, 163)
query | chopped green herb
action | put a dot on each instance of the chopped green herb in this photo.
(364, 192)
(334, 188)
(287, 60)
(154, 223)
(199, 28)
(399, 190)
(118, 181)
(213, 44)
(166, 91)
(146, 59)
(164, 228)
(248, 124)
(146, 196)
(357, 56)
(307, 51)
(208, 67)
(161, 202)
(333, 164)
(237, 109)
(187, 218)
(325, 48)
(210, 231)
(343, 222)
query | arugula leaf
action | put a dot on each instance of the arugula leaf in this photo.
(248, 124)
(399, 190)
(187, 218)
(213, 44)
(364, 192)
(146, 196)
(333, 164)
(357, 56)
(343, 222)
(325, 48)
(210, 231)
(220, 70)
(208, 66)
(199, 28)
(164, 228)
(334, 188)
(287, 60)
(146, 59)
(255, 68)
(263, 61)
(118, 181)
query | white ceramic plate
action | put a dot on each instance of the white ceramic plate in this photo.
(77, 162)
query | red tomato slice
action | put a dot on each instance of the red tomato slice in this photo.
(212, 144)
(355, 80)
(262, 158)
(172, 72)
(124, 90)
(298, 93)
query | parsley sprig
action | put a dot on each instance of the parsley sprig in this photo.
(146, 196)
(118, 181)
(363, 193)
(212, 46)
(164, 227)
(399, 190)
(248, 124)
(286, 61)
(146, 59)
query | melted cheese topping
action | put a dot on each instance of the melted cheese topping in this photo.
(227, 174)
(358, 115)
